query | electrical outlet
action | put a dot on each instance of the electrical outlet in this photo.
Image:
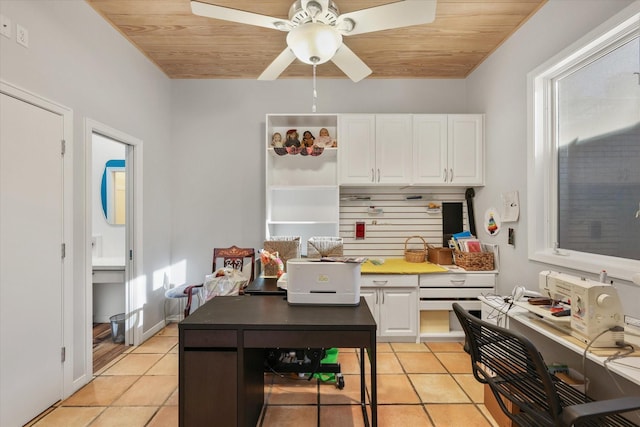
(22, 35)
(5, 26)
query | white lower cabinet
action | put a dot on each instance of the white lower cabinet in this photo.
(392, 300)
(438, 292)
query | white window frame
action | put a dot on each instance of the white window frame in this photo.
(542, 154)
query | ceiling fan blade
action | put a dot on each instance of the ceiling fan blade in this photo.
(278, 65)
(393, 15)
(350, 64)
(227, 14)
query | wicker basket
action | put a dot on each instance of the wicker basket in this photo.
(474, 261)
(415, 255)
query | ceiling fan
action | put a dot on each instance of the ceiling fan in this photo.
(316, 28)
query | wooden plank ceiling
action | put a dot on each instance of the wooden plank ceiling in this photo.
(186, 46)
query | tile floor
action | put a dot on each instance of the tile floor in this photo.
(428, 384)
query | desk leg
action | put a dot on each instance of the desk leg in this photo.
(374, 382)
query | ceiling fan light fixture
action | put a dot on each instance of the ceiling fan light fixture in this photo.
(314, 43)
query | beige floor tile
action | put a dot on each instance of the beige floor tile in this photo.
(167, 416)
(341, 416)
(438, 388)
(148, 390)
(292, 391)
(409, 346)
(133, 364)
(455, 363)
(290, 416)
(171, 330)
(420, 363)
(383, 347)
(168, 365)
(349, 363)
(102, 391)
(402, 416)
(442, 347)
(173, 399)
(394, 388)
(386, 363)
(124, 416)
(457, 415)
(349, 395)
(487, 414)
(157, 344)
(471, 386)
(70, 417)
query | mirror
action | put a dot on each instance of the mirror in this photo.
(113, 192)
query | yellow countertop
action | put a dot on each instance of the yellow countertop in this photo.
(400, 266)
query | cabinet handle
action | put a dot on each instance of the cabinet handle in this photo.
(383, 297)
(376, 297)
(457, 281)
(380, 282)
(450, 175)
(445, 174)
(373, 176)
(378, 174)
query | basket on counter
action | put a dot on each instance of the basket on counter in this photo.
(415, 255)
(474, 261)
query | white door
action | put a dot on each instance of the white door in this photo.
(394, 148)
(398, 312)
(466, 149)
(356, 148)
(31, 271)
(430, 157)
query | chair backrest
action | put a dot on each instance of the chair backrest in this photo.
(513, 368)
(234, 257)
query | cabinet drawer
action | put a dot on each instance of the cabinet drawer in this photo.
(458, 280)
(389, 280)
(447, 305)
(453, 293)
(108, 276)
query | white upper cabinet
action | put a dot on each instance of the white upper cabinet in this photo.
(375, 149)
(448, 149)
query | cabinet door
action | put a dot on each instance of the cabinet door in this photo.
(466, 149)
(430, 164)
(356, 148)
(371, 297)
(398, 312)
(394, 148)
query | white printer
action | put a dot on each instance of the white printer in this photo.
(323, 282)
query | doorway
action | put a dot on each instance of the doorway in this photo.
(113, 203)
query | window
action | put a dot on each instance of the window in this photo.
(584, 165)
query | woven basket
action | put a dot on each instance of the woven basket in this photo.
(415, 255)
(474, 261)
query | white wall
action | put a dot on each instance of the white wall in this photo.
(218, 137)
(498, 87)
(78, 60)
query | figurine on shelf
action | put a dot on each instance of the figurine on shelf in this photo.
(276, 140)
(307, 139)
(292, 138)
(324, 140)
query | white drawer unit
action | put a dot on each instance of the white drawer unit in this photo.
(392, 301)
(437, 294)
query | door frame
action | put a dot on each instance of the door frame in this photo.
(134, 278)
(67, 315)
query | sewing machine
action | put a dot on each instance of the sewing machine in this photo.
(323, 282)
(595, 307)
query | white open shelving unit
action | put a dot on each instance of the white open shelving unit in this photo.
(302, 193)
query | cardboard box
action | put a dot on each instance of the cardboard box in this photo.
(443, 256)
(434, 321)
(496, 412)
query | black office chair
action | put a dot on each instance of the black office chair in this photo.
(514, 370)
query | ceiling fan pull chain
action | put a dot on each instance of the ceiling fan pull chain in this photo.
(315, 92)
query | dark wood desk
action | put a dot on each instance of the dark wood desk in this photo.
(221, 371)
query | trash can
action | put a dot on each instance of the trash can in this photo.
(117, 328)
